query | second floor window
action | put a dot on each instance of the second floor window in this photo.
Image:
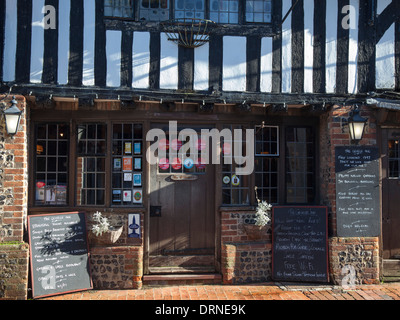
(154, 10)
(119, 8)
(219, 11)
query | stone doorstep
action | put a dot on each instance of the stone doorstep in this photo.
(181, 277)
(173, 280)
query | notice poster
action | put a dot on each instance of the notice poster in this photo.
(137, 148)
(137, 180)
(127, 164)
(117, 196)
(138, 164)
(117, 164)
(137, 196)
(128, 148)
(127, 196)
(127, 176)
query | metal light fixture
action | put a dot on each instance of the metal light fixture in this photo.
(356, 125)
(12, 118)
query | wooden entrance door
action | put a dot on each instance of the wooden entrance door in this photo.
(182, 219)
(391, 193)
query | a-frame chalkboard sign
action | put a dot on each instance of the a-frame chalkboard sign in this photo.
(300, 244)
(59, 254)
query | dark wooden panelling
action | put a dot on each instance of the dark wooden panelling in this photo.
(397, 48)
(253, 53)
(342, 51)
(319, 45)
(76, 44)
(367, 50)
(215, 61)
(126, 58)
(155, 56)
(50, 53)
(100, 57)
(23, 55)
(185, 68)
(298, 47)
(277, 49)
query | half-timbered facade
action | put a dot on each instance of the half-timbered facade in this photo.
(99, 76)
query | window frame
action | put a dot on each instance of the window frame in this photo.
(242, 20)
(72, 175)
(51, 117)
(57, 156)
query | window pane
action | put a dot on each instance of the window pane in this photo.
(225, 11)
(191, 9)
(235, 188)
(127, 161)
(119, 8)
(51, 164)
(259, 11)
(393, 152)
(300, 168)
(154, 10)
(91, 163)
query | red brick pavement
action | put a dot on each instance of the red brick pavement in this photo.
(266, 291)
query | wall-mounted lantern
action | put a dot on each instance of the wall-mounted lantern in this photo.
(356, 125)
(12, 117)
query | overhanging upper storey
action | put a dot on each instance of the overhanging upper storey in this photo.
(255, 49)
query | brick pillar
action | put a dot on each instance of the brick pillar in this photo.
(361, 253)
(13, 208)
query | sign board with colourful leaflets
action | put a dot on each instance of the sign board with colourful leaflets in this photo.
(188, 163)
(163, 164)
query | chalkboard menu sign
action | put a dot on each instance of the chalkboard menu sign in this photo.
(58, 254)
(357, 191)
(299, 244)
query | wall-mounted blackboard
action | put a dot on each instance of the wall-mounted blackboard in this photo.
(357, 191)
(58, 254)
(300, 244)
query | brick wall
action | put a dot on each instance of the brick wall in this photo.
(119, 265)
(13, 209)
(14, 271)
(116, 267)
(334, 132)
(360, 253)
(244, 260)
(13, 179)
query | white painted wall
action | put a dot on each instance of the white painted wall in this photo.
(331, 45)
(234, 64)
(201, 67)
(266, 65)
(113, 53)
(385, 60)
(287, 48)
(353, 47)
(89, 42)
(37, 49)
(141, 60)
(308, 45)
(10, 42)
(168, 64)
(63, 40)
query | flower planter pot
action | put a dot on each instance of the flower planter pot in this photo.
(255, 232)
(110, 237)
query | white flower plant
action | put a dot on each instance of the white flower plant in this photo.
(263, 212)
(102, 224)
